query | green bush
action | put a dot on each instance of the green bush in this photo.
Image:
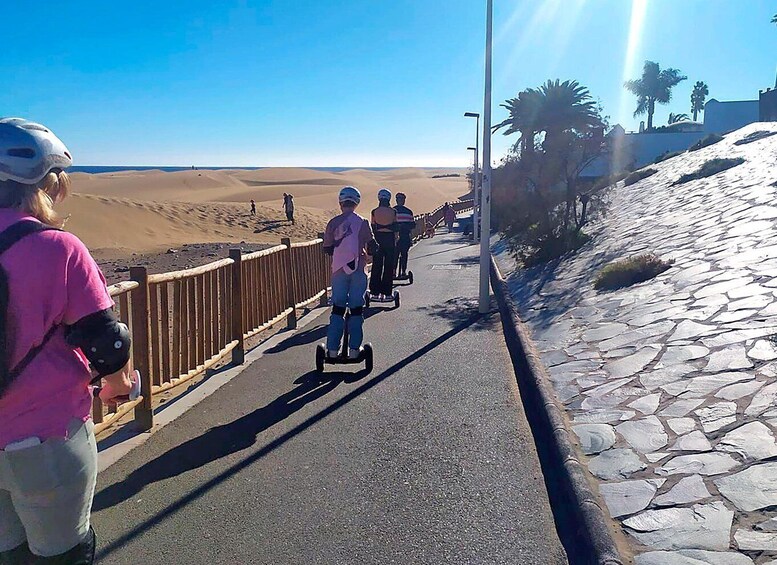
(637, 176)
(755, 136)
(711, 139)
(627, 272)
(711, 167)
(667, 155)
(550, 248)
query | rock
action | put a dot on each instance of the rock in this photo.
(751, 441)
(681, 426)
(751, 489)
(629, 497)
(628, 366)
(121, 270)
(701, 463)
(615, 464)
(729, 359)
(646, 404)
(682, 353)
(656, 456)
(681, 407)
(739, 390)
(692, 557)
(696, 387)
(694, 441)
(172, 251)
(704, 526)
(595, 438)
(603, 416)
(688, 329)
(769, 525)
(716, 416)
(604, 331)
(645, 435)
(748, 540)
(763, 350)
(688, 489)
(658, 377)
(763, 399)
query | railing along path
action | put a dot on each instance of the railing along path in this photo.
(185, 322)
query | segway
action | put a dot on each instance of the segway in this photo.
(365, 355)
(393, 299)
(406, 277)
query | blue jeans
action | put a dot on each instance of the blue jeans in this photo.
(347, 291)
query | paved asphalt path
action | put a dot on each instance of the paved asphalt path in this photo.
(429, 459)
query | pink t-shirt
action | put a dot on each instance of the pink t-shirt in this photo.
(52, 280)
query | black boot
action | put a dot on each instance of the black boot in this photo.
(82, 554)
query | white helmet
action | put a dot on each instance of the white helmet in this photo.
(384, 194)
(350, 194)
(29, 151)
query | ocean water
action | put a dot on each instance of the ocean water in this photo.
(118, 169)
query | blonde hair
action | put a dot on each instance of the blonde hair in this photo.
(37, 200)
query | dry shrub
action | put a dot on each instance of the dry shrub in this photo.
(633, 270)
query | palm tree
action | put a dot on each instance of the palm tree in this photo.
(774, 19)
(698, 96)
(674, 118)
(524, 110)
(654, 86)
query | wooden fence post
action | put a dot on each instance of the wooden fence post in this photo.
(324, 266)
(291, 299)
(141, 354)
(238, 353)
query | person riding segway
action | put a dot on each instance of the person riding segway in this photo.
(406, 224)
(384, 226)
(346, 239)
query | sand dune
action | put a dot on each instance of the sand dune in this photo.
(148, 211)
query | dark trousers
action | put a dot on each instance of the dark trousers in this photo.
(383, 262)
(403, 247)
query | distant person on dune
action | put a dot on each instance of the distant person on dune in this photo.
(406, 225)
(346, 239)
(60, 334)
(288, 207)
(253, 208)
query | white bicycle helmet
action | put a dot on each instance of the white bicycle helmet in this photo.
(350, 194)
(29, 151)
(384, 194)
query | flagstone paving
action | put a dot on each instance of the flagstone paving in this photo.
(671, 384)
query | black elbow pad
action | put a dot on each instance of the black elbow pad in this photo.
(103, 339)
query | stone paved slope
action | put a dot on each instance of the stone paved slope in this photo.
(671, 385)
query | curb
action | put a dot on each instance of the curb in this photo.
(583, 526)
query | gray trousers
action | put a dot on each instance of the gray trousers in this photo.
(46, 492)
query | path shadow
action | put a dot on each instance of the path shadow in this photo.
(312, 335)
(220, 441)
(451, 250)
(458, 310)
(240, 434)
(267, 225)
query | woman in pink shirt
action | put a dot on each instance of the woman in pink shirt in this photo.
(57, 333)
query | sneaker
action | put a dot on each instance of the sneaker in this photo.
(332, 353)
(354, 353)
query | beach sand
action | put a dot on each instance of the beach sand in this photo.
(148, 212)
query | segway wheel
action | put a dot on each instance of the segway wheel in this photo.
(368, 357)
(367, 300)
(320, 357)
(396, 299)
(410, 276)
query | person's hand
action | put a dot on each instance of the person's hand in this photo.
(116, 386)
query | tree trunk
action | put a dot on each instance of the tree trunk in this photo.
(651, 111)
(695, 113)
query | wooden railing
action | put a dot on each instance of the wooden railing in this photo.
(435, 217)
(186, 322)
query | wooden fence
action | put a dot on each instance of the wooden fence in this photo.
(186, 322)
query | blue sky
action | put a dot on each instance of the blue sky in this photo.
(348, 82)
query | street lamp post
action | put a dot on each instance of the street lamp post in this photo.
(484, 300)
(476, 183)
